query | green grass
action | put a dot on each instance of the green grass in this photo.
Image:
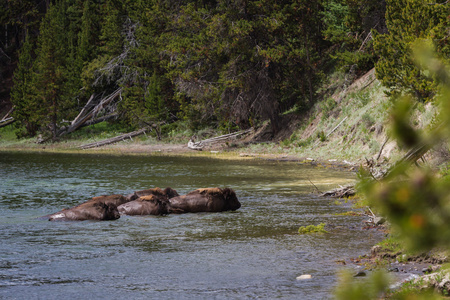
(312, 229)
(7, 133)
(391, 244)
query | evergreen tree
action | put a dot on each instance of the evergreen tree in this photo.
(348, 25)
(408, 20)
(22, 96)
(50, 75)
(233, 61)
(148, 93)
(112, 40)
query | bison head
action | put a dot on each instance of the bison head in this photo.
(109, 210)
(231, 200)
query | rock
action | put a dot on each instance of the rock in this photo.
(360, 274)
(440, 281)
(375, 250)
(444, 285)
(304, 277)
(40, 139)
(379, 220)
(395, 269)
(435, 268)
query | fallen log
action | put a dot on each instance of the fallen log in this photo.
(99, 120)
(83, 117)
(7, 121)
(7, 114)
(200, 144)
(341, 192)
(83, 110)
(114, 139)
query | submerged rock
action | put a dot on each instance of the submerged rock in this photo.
(360, 274)
(304, 277)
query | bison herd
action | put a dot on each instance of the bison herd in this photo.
(150, 202)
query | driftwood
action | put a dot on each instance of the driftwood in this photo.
(341, 192)
(114, 139)
(200, 144)
(411, 157)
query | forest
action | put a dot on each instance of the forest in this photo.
(226, 64)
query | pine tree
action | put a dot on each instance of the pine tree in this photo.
(50, 75)
(348, 25)
(407, 21)
(22, 95)
(233, 61)
(111, 31)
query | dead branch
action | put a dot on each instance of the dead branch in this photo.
(329, 133)
(8, 113)
(368, 38)
(382, 147)
(7, 121)
(83, 111)
(116, 70)
(413, 155)
(315, 187)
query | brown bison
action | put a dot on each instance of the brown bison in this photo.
(98, 208)
(205, 200)
(148, 202)
(89, 210)
(145, 205)
(110, 199)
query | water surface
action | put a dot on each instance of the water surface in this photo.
(254, 252)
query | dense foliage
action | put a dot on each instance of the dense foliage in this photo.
(415, 200)
(229, 64)
(407, 21)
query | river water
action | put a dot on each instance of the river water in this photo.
(254, 252)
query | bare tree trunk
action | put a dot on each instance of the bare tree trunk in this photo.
(114, 139)
(84, 117)
(308, 61)
(7, 121)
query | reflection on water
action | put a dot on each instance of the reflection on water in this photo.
(254, 252)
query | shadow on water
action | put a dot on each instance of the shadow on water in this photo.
(254, 252)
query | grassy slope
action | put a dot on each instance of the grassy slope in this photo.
(365, 109)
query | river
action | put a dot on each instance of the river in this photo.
(254, 252)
